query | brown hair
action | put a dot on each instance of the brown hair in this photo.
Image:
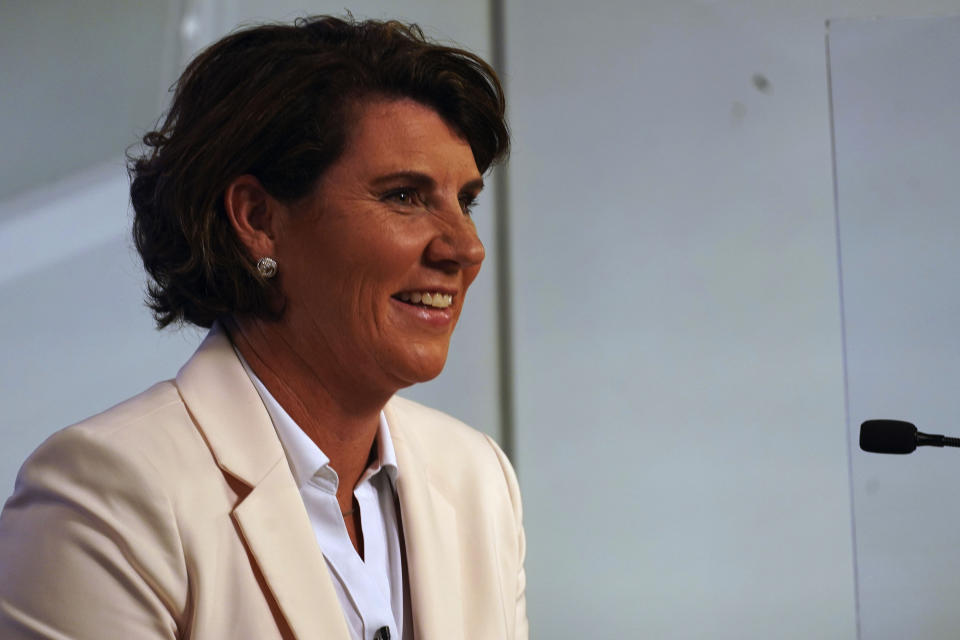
(274, 101)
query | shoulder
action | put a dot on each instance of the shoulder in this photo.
(414, 419)
(147, 432)
(93, 509)
(453, 454)
(121, 461)
(433, 434)
(141, 467)
(475, 477)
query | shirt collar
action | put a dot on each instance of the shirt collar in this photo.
(306, 459)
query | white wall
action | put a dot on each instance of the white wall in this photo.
(896, 108)
(76, 337)
(80, 84)
(681, 426)
(80, 81)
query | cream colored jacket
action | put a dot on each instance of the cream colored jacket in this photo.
(175, 515)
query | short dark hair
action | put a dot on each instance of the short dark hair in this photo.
(275, 101)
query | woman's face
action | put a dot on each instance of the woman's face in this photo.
(388, 224)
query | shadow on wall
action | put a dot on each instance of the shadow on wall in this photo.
(75, 334)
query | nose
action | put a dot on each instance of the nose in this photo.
(456, 245)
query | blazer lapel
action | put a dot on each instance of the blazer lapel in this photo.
(275, 526)
(431, 541)
(271, 517)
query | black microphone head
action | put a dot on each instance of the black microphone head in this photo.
(888, 436)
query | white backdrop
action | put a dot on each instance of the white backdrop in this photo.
(896, 109)
(681, 422)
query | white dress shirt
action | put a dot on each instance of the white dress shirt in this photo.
(370, 588)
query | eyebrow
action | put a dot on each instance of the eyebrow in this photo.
(423, 180)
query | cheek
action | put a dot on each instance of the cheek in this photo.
(392, 242)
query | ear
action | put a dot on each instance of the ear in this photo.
(253, 215)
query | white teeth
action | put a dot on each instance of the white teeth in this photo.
(435, 300)
(438, 300)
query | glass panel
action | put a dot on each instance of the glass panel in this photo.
(81, 82)
(896, 115)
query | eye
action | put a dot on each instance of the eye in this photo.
(406, 196)
(467, 203)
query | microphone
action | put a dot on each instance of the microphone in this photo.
(897, 436)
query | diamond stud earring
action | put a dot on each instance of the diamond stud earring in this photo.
(267, 267)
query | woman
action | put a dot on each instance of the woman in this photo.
(308, 198)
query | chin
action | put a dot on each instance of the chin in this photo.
(426, 374)
(423, 368)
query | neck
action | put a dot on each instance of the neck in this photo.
(340, 419)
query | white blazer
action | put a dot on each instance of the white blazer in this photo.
(175, 515)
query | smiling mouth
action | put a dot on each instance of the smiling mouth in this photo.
(425, 299)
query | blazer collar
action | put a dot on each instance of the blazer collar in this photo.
(228, 410)
(271, 517)
(273, 520)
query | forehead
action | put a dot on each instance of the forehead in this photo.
(400, 135)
